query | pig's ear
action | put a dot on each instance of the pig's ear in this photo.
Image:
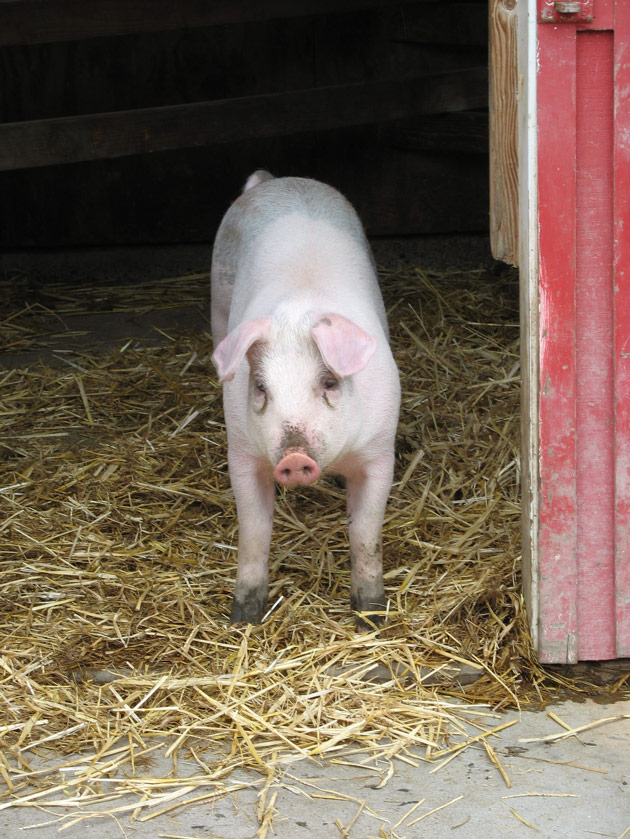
(345, 347)
(229, 353)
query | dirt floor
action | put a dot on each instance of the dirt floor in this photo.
(561, 770)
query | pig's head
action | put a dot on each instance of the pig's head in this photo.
(301, 406)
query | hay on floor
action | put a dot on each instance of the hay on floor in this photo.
(117, 561)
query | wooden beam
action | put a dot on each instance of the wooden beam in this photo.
(504, 167)
(622, 331)
(465, 132)
(594, 345)
(460, 24)
(117, 134)
(46, 21)
(557, 532)
(529, 310)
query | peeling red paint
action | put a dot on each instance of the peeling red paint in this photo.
(595, 455)
(622, 327)
(556, 212)
(584, 335)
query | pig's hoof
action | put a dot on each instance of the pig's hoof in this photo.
(249, 608)
(371, 610)
(368, 621)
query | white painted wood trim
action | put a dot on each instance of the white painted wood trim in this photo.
(528, 266)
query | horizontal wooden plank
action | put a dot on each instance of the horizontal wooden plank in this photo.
(462, 24)
(121, 133)
(45, 21)
(464, 132)
(180, 196)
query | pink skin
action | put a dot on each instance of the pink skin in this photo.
(310, 385)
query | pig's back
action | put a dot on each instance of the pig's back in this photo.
(274, 236)
(278, 197)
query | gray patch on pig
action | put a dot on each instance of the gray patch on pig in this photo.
(224, 265)
(294, 438)
(325, 321)
(225, 253)
(250, 607)
(276, 198)
(254, 210)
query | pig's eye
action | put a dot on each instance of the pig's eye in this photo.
(259, 396)
(330, 389)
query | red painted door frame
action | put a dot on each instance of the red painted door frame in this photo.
(583, 139)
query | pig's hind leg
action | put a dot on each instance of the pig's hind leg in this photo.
(254, 493)
(367, 491)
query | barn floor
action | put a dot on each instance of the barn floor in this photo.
(575, 787)
(532, 776)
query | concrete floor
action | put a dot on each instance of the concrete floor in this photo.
(572, 787)
(578, 786)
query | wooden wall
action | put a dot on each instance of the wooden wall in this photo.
(426, 173)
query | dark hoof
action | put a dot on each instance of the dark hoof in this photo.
(250, 608)
(371, 610)
(369, 621)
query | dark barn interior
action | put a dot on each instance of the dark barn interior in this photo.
(127, 123)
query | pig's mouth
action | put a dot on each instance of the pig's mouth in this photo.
(296, 468)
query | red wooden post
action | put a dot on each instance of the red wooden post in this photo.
(583, 90)
(595, 440)
(622, 326)
(556, 246)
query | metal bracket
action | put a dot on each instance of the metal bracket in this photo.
(566, 11)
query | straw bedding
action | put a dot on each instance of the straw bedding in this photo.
(117, 559)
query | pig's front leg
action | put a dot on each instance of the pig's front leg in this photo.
(367, 491)
(254, 493)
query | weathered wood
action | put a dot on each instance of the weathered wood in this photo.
(177, 195)
(593, 672)
(529, 321)
(180, 196)
(463, 24)
(465, 132)
(403, 193)
(595, 424)
(557, 530)
(98, 136)
(44, 21)
(583, 336)
(503, 119)
(176, 67)
(622, 329)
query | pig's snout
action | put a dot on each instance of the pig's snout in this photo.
(296, 468)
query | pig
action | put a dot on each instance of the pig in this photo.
(310, 386)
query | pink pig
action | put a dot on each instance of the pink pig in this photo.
(310, 384)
